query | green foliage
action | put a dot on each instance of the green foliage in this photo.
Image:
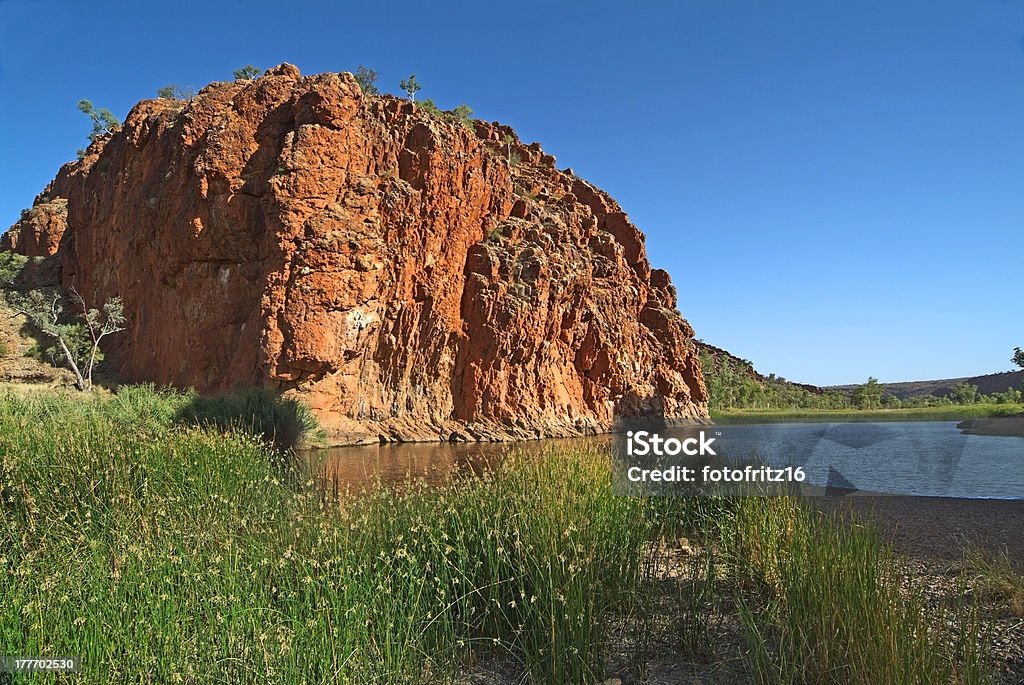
(11, 266)
(247, 73)
(173, 91)
(964, 393)
(1018, 357)
(103, 120)
(73, 340)
(508, 141)
(733, 384)
(48, 349)
(889, 401)
(411, 86)
(869, 395)
(367, 80)
(430, 108)
(281, 423)
(1010, 396)
(461, 115)
(464, 115)
(174, 547)
(939, 412)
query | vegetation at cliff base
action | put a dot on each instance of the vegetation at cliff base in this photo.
(75, 339)
(11, 266)
(171, 551)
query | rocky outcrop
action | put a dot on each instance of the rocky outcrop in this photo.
(39, 230)
(411, 276)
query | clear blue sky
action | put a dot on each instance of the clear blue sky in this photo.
(837, 188)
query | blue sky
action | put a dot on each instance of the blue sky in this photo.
(837, 188)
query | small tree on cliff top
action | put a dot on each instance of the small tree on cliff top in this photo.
(411, 86)
(103, 120)
(1018, 357)
(247, 73)
(367, 79)
(464, 115)
(78, 341)
(173, 91)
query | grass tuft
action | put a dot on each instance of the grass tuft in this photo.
(996, 577)
(828, 605)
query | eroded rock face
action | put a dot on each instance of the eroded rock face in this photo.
(410, 276)
(38, 232)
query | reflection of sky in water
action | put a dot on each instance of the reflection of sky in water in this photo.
(912, 458)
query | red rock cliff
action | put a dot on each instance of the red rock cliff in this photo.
(408, 275)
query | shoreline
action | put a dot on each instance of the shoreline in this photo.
(960, 413)
(938, 527)
(1008, 426)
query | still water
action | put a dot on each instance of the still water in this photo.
(909, 458)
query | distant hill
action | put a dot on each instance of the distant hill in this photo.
(729, 357)
(734, 383)
(987, 384)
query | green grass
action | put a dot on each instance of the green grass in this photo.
(828, 606)
(950, 413)
(996, 577)
(163, 551)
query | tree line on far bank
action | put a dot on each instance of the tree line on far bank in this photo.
(734, 384)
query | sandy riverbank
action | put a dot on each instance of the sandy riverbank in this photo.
(1007, 426)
